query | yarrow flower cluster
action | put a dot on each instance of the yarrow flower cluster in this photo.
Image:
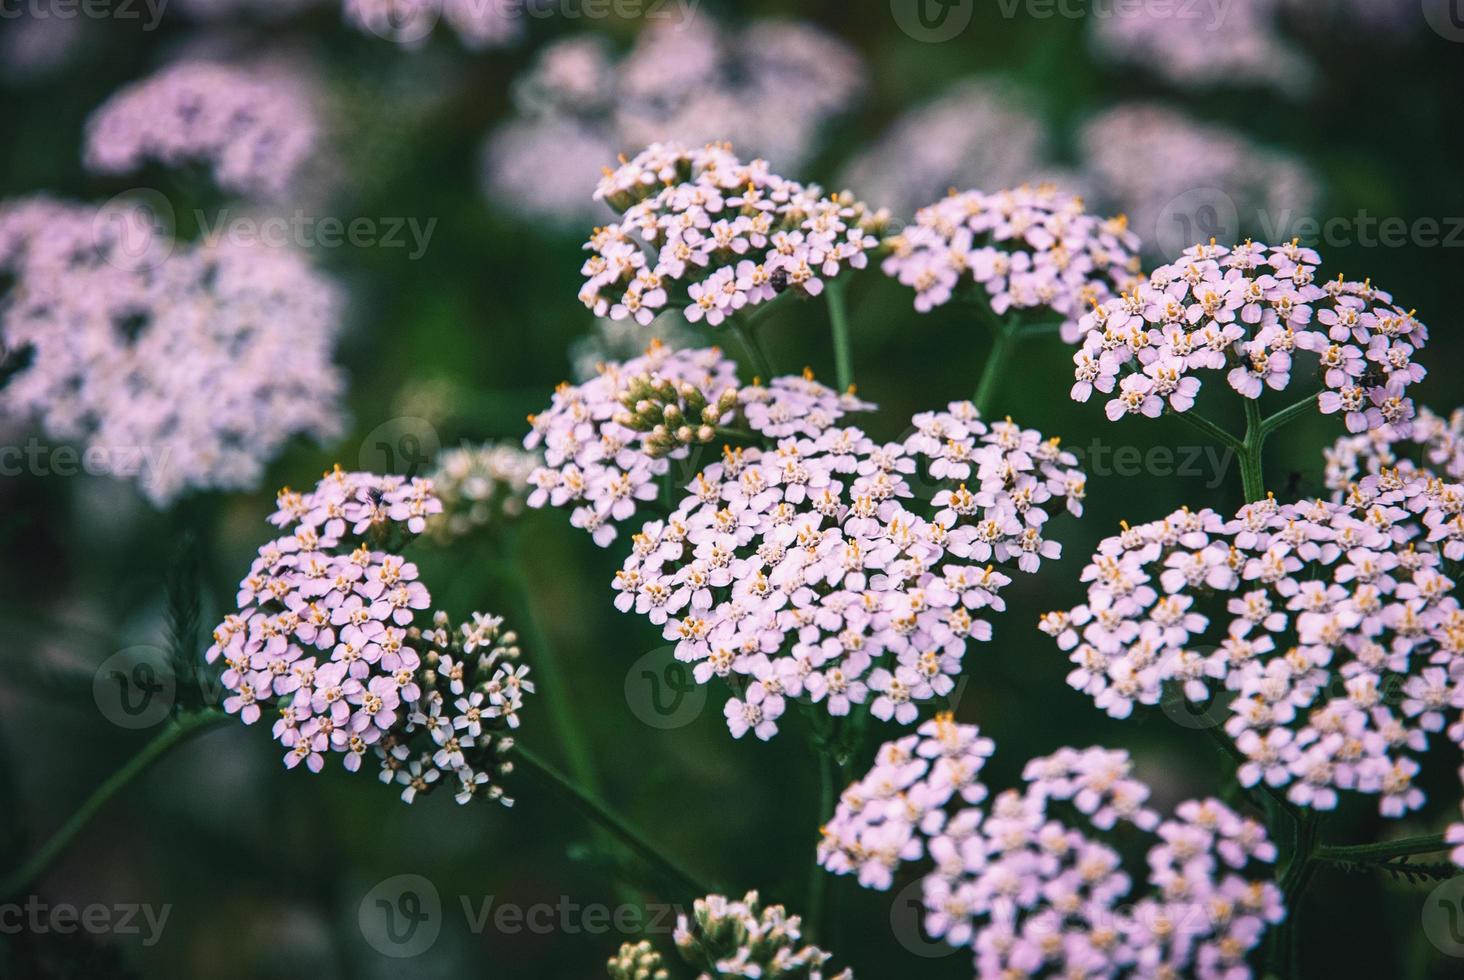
(1165, 170)
(768, 88)
(186, 366)
(608, 442)
(807, 570)
(479, 485)
(479, 24)
(256, 133)
(1433, 447)
(1033, 881)
(1030, 248)
(1248, 311)
(983, 133)
(329, 635)
(732, 235)
(1329, 628)
(726, 938)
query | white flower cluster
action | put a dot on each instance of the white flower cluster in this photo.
(726, 938)
(479, 485)
(607, 442)
(1329, 628)
(806, 571)
(1030, 248)
(197, 362)
(326, 633)
(768, 88)
(1026, 884)
(1435, 441)
(1247, 311)
(257, 132)
(731, 234)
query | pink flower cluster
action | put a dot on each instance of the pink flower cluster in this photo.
(327, 634)
(807, 570)
(183, 366)
(1025, 882)
(1248, 311)
(257, 134)
(1327, 629)
(609, 441)
(1030, 248)
(479, 24)
(768, 88)
(1432, 447)
(730, 234)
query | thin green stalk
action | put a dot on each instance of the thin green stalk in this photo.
(1287, 415)
(176, 732)
(755, 354)
(545, 662)
(1252, 472)
(817, 877)
(1382, 852)
(1212, 430)
(996, 365)
(1282, 955)
(839, 324)
(590, 805)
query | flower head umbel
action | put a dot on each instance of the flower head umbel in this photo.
(334, 637)
(811, 569)
(607, 442)
(479, 485)
(1025, 249)
(1033, 880)
(726, 938)
(715, 235)
(1253, 312)
(1429, 446)
(183, 366)
(255, 133)
(1330, 629)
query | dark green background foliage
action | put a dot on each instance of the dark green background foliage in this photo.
(265, 868)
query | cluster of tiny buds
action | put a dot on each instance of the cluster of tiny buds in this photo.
(671, 413)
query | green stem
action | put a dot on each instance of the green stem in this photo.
(1382, 852)
(545, 662)
(839, 323)
(176, 732)
(1300, 867)
(591, 806)
(817, 877)
(1252, 471)
(755, 354)
(996, 365)
(1211, 429)
(1287, 415)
